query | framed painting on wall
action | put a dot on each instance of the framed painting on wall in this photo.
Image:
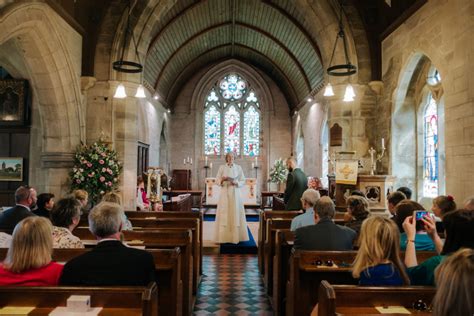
(13, 102)
(11, 169)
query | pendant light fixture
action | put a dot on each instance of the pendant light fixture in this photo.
(341, 70)
(127, 66)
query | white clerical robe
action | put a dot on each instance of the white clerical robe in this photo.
(231, 225)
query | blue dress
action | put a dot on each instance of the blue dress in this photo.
(381, 274)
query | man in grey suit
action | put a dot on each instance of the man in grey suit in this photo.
(325, 234)
(296, 184)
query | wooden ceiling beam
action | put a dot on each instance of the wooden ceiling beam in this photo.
(266, 34)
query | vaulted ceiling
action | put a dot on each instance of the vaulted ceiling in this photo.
(266, 34)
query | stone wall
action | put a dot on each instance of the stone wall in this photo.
(442, 32)
(186, 131)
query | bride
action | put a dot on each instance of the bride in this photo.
(231, 225)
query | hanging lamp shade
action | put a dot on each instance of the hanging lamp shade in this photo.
(120, 92)
(328, 91)
(140, 92)
(349, 94)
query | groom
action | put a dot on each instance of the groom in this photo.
(296, 184)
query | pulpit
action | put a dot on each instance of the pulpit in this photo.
(375, 188)
(248, 191)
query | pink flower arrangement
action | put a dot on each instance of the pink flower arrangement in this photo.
(102, 179)
(89, 164)
(101, 162)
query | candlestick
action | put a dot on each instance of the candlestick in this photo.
(148, 185)
(205, 163)
(383, 143)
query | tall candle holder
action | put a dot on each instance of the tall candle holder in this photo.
(378, 158)
(255, 167)
(154, 191)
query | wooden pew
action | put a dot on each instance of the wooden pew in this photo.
(177, 223)
(184, 204)
(115, 300)
(195, 215)
(305, 276)
(159, 239)
(168, 275)
(283, 244)
(262, 226)
(362, 300)
(278, 203)
(269, 249)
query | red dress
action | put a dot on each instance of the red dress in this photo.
(47, 275)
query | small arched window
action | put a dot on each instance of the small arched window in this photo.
(431, 149)
(232, 118)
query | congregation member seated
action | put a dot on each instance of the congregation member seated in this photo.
(393, 199)
(469, 203)
(110, 262)
(357, 211)
(325, 234)
(28, 261)
(113, 197)
(406, 191)
(45, 204)
(65, 216)
(455, 285)
(378, 259)
(83, 197)
(443, 204)
(459, 227)
(25, 199)
(405, 209)
(308, 200)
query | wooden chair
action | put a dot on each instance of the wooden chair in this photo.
(362, 300)
(115, 300)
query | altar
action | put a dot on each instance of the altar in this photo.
(249, 191)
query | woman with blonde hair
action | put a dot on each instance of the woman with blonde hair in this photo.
(28, 261)
(378, 260)
(113, 197)
(82, 196)
(455, 285)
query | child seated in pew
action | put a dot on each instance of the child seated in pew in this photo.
(378, 260)
(455, 285)
(28, 261)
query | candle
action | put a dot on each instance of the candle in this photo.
(253, 165)
(205, 161)
(148, 185)
(191, 161)
(383, 143)
(210, 165)
(184, 161)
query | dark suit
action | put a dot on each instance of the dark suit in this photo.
(9, 218)
(325, 235)
(110, 263)
(296, 184)
(41, 212)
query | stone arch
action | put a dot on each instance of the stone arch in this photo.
(409, 99)
(44, 49)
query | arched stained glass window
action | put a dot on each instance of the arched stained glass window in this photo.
(212, 131)
(232, 105)
(430, 155)
(232, 131)
(251, 132)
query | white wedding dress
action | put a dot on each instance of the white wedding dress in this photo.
(231, 225)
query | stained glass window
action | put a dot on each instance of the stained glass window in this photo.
(232, 131)
(232, 87)
(251, 132)
(212, 131)
(430, 158)
(232, 118)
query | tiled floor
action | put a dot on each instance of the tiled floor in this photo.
(231, 285)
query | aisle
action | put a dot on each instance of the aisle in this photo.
(231, 285)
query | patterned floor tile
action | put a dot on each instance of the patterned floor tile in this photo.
(231, 285)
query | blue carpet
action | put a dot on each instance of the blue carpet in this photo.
(243, 247)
